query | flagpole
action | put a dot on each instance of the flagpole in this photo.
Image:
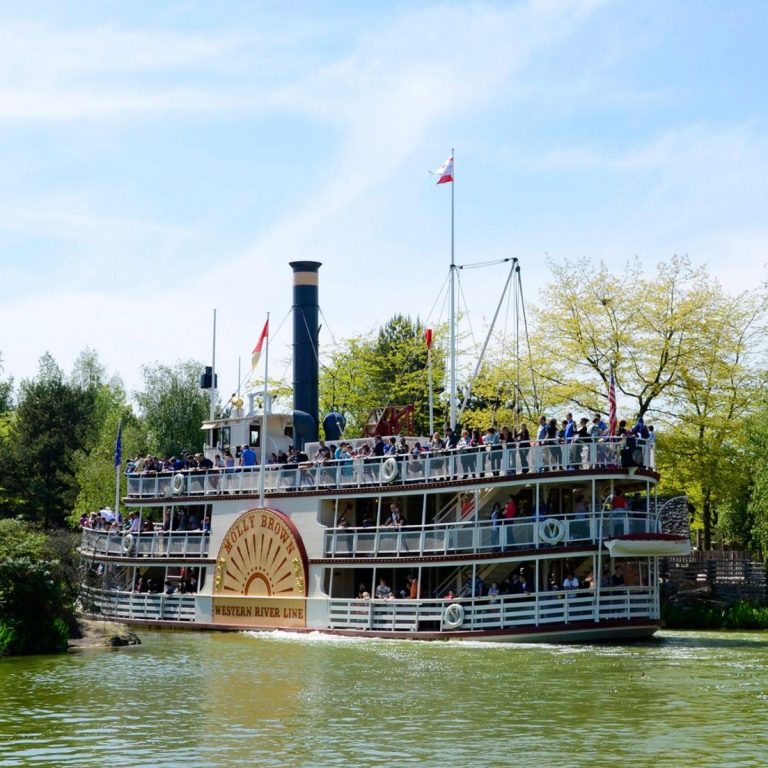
(453, 302)
(212, 390)
(431, 400)
(118, 464)
(264, 419)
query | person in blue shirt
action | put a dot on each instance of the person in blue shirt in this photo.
(248, 457)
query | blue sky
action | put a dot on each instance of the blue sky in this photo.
(158, 160)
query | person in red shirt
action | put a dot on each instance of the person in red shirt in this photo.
(619, 500)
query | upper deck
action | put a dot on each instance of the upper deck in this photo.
(606, 455)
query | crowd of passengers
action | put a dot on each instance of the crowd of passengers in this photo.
(515, 583)
(499, 515)
(550, 434)
(184, 584)
(113, 522)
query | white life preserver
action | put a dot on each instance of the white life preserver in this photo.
(127, 542)
(551, 530)
(177, 483)
(389, 470)
(453, 616)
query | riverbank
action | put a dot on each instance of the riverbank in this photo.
(95, 633)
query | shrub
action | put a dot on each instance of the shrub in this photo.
(744, 615)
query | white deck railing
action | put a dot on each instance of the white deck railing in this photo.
(479, 536)
(359, 473)
(481, 613)
(488, 613)
(186, 544)
(146, 606)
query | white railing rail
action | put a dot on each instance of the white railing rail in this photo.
(493, 613)
(146, 606)
(359, 473)
(479, 536)
(186, 544)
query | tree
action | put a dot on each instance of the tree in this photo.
(6, 392)
(388, 368)
(173, 407)
(711, 399)
(34, 606)
(51, 423)
(683, 351)
(95, 470)
(754, 517)
(645, 327)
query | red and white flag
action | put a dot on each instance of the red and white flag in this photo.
(612, 420)
(256, 354)
(445, 172)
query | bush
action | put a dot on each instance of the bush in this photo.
(695, 616)
(34, 604)
(706, 615)
(744, 615)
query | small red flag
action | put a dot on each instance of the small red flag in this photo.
(256, 354)
(445, 172)
(428, 338)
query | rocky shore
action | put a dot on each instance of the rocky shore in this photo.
(96, 633)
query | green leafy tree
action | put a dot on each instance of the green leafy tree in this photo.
(703, 453)
(96, 468)
(756, 454)
(51, 424)
(646, 327)
(6, 392)
(383, 369)
(173, 407)
(34, 604)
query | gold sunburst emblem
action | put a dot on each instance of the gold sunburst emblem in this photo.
(262, 555)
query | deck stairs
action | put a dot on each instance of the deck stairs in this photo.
(463, 506)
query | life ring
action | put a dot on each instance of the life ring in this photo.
(127, 542)
(551, 530)
(453, 616)
(178, 483)
(389, 470)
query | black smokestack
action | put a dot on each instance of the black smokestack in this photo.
(305, 351)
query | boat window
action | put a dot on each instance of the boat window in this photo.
(288, 431)
(226, 436)
(254, 435)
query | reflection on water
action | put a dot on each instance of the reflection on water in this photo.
(195, 699)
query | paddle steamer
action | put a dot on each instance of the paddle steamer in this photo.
(304, 546)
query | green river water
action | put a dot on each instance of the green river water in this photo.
(198, 699)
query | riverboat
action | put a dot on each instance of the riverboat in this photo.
(387, 546)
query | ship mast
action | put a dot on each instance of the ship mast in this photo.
(453, 309)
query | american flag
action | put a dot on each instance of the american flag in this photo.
(612, 420)
(119, 445)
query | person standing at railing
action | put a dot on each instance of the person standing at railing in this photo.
(541, 440)
(438, 466)
(248, 457)
(496, 519)
(523, 438)
(651, 443)
(492, 441)
(569, 435)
